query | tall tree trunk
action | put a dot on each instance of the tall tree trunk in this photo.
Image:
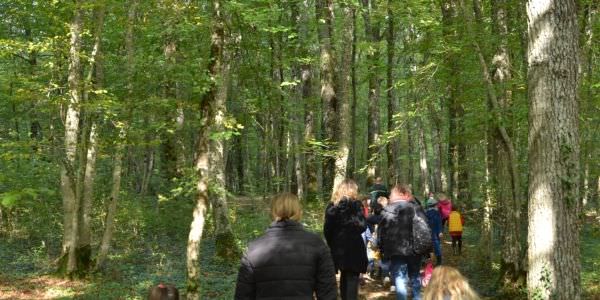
(341, 162)
(440, 181)
(109, 224)
(393, 148)
(310, 164)
(456, 143)
(120, 143)
(352, 157)
(590, 11)
(94, 78)
(202, 154)
(324, 14)
(225, 240)
(297, 113)
(507, 174)
(373, 36)
(485, 241)
(68, 167)
(425, 186)
(553, 59)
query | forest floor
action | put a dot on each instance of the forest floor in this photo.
(149, 247)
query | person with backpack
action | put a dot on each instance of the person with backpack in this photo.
(376, 268)
(434, 219)
(455, 227)
(377, 190)
(445, 207)
(404, 237)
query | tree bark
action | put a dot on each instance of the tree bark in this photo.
(94, 78)
(425, 186)
(114, 199)
(299, 23)
(324, 14)
(373, 36)
(68, 167)
(310, 166)
(344, 100)
(393, 148)
(352, 157)
(120, 143)
(553, 59)
(203, 153)
(225, 240)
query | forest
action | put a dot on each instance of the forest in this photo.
(142, 140)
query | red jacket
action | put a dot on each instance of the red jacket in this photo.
(445, 207)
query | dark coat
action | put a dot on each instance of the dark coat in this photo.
(395, 230)
(434, 219)
(287, 262)
(344, 224)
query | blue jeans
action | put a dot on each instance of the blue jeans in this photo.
(437, 249)
(404, 268)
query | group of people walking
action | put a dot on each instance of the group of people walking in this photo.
(387, 234)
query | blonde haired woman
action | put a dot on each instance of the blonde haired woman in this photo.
(448, 284)
(344, 224)
(287, 261)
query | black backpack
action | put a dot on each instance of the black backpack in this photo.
(421, 233)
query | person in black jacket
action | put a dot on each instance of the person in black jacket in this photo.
(397, 240)
(287, 262)
(344, 224)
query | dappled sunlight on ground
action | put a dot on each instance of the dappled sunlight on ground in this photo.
(43, 287)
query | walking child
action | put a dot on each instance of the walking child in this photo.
(434, 220)
(445, 207)
(455, 227)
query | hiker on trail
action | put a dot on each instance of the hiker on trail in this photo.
(434, 219)
(287, 261)
(376, 268)
(377, 190)
(445, 207)
(163, 291)
(430, 198)
(455, 227)
(448, 284)
(404, 238)
(344, 224)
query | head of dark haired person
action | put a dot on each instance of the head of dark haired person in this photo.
(163, 292)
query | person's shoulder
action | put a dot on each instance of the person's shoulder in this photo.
(311, 238)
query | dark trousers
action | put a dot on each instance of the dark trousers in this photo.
(349, 285)
(457, 240)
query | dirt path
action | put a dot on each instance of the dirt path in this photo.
(376, 290)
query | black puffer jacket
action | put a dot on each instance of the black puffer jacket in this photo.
(396, 228)
(287, 262)
(344, 224)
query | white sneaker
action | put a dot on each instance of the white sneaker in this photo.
(392, 289)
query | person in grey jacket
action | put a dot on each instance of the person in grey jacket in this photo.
(287, 262)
